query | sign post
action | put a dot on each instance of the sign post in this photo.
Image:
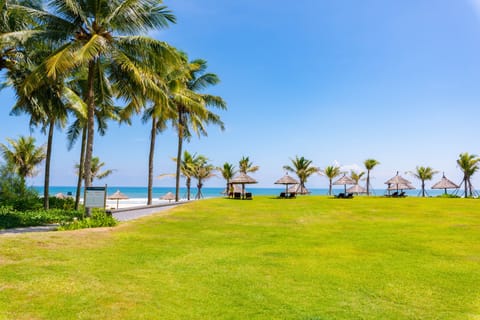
(95, 197)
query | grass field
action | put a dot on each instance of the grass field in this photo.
(309, 258)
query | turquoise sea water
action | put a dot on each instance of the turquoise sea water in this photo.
(141, 192)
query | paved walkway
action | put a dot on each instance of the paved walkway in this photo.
(124, 214)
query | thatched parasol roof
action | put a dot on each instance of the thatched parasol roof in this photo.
(168, 196)
(243, 178)
(397, 179)
(344, 180)
(401, 186)
(298, 189)
(445, 184)
(357, 189)
(117, 196)
(286, 179)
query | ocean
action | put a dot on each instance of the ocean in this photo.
(141, 192)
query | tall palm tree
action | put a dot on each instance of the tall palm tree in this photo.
(202, 171)
(303, 168)
(423, 174)
(192, 113)
(97, 165)
(246, 165)
(331, 172)
(23, 156)
(47, 106)
(93, 31)
(468, 163)
(356, 176)
(369, 165)
(228, 172)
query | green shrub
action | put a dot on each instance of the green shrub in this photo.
(11, 218)
(448, 196)
(97, 220)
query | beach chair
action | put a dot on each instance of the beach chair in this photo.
(282, 195)
(349, 196)
(341, 195)
(394, 195)
(237, 195)
(248, 196)
(402, 194)
(292, 195)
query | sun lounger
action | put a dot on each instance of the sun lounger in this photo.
(237, 195)
(282, 195)
(248, 196)
(340, 195)
(292, 195)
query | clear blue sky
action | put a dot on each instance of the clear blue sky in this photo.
(334, 81)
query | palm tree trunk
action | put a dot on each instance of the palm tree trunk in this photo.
(179, 155)
(368, 182)
(465, 181)
(90, 125)
(189, 186)
(330, 188)
(81, 167)
(46, 201)
(153, 135)
(423, 188)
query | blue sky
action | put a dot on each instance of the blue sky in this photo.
(334, 81)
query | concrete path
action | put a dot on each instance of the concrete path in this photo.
(124, 214)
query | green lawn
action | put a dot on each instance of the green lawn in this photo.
(307, 258)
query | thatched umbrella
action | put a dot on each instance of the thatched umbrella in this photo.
(117, 196)
(445, 184)
(168, 196)
(243, 179)
(398, 181)
(344, 180)
(60, 196)
(286, 180)
(357, 189)
(298, 189)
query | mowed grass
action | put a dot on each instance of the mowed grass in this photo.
(308, 258)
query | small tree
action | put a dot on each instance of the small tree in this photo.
(202, 171)
(97, 165)
(247, 166)
(468, 163)
(303, 168)
(356, 176)
(227, 171)
(369, 165)
(331, 172)
(423, 173)
(23, 156)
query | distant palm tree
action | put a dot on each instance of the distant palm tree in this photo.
(97, 165)
(187, 169)
(423, 173)
(23, 156)
(246, 166)
(331, 172)
(303, 168)
(356, 176)
(468, 163)
(227, 171)
(202, 171)
(369, 165)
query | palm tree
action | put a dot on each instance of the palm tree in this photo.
(228, 172)
(423, 173)
(97, 165)
(303, 168)
(202, 171)
(356, 176)
(93, 31)
(192, 113)
(246, 166)
(331, 172)
(468, 163)
(369, 165)
(23, 156)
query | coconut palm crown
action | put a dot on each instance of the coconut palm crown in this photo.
(423, 174)
(369, 165)
(468, 163)
(331, 172)
(303, 168)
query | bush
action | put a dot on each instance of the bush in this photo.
(448, 196)
(11, 218)
(97, 220)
